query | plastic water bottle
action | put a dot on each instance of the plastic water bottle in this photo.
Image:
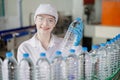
(1, 69)
(93, 54)
(113, 56)
(26, 68)
(58, 67)
(110, 57)
(118, 40)
(72, 66)
(82, 63)
(102, 62)
(89, 67)
(43, 69)
(116, 54)
(9, 67)
(118, 43)
(73, 36)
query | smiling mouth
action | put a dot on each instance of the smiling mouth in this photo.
(45, 28)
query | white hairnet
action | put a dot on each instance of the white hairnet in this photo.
(46, 9)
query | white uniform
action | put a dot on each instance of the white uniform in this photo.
(34, 47)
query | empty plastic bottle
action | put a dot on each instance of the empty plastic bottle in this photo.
(72, 66)
(82, 63)
(118, 40)
(9, 67)
(109, 57)
(116, 54)
(26, 68)
(102, 71)
(58, 67)
(1, 69)
(73, 36)
(118, 43)
(89, 67)
(43, 69)
(93, 54)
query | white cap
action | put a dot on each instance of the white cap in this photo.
(46, 9)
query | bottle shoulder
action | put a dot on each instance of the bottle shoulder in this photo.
(42, 61)
(26, 62)
(10, 60)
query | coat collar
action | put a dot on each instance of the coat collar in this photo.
(36, 43)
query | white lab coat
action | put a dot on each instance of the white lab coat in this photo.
(34, 48)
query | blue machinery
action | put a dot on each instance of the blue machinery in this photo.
(11, 39)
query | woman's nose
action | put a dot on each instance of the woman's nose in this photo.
(45, 22)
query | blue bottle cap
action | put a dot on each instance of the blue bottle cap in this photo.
(42, 54)
(25, 55)
(72, 50)
(94, 47)
(108, 42)
(117, 37)
(9, 54)
(102, 44)
(58, 53)
(85, 49)
(111, 40)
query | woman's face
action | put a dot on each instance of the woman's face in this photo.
(45, 23)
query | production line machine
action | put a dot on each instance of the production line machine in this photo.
(11, 39)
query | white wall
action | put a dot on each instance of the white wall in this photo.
(66, 7)
(11, 19)
(59, 4)
(98, 10)
(78, 9)
(28, 7)
(100, 33)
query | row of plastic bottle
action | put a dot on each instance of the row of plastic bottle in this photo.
(42, 70)
(97, 64)
(103, 60)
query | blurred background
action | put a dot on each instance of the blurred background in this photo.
(101, 19)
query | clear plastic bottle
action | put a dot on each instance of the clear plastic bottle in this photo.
(73, 36)
(82, 63)
(72, 66)
(102, 71)
(93, 54)
(1, 69)
(109, 57)
(26, 68)
(89, 67)
(116, 53)
(118, 43)
(9, 67)
(43, 68)
(118, 40)
(58, 67)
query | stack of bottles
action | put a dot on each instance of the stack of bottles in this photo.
(99, 63)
